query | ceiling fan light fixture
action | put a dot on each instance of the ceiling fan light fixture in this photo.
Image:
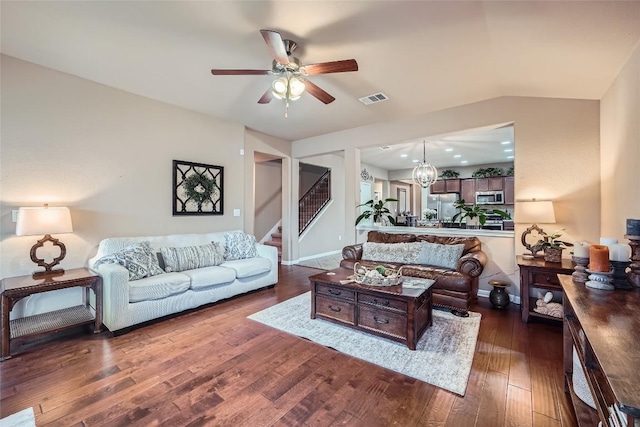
(279, 87)
(296, 87)
(424, 174)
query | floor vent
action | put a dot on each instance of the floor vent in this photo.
(373, 99)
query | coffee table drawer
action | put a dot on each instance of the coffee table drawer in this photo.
(343, 311)
(384, 321)
(383, 302)
(335, 292)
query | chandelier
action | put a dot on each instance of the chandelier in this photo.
(424, 174)
(288, 87)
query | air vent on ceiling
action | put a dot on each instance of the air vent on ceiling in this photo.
(373, 99)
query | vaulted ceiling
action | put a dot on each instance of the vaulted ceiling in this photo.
(423, 55)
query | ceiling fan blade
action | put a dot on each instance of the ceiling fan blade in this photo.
(266, 97)
(276, 46)
(331, 67)
(217, 72)
(315, 90)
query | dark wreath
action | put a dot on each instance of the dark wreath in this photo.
(197, 188)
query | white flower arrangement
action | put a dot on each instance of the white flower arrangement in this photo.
(429, 214)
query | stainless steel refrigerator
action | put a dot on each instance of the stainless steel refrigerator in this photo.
(443, 204)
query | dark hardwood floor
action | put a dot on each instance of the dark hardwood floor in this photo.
(213, 366)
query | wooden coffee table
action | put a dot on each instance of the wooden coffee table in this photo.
(400, 313)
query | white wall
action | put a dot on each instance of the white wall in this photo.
(107, 155)
(268, 190)
(620, 149)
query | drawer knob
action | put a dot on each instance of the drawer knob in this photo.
(336, 309)
(385, 302)
(333, 292)
(381, 321)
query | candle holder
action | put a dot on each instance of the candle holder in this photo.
(620, 275)
(600, 280)
(579, 275)
(634, 273)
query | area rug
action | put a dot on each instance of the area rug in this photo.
(443, 356)
(24, 418)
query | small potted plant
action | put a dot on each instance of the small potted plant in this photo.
(377, 210)
(551, 245)
(475, 214)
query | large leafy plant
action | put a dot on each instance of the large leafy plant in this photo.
(377, 210)
(475, 211)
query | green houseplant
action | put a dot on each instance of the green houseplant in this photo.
(475, 214)
(377, 210)
(449, 173)
(551, 245)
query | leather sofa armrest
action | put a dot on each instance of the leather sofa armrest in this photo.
(472, 263)
(352, 252)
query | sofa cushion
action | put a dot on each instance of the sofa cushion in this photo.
(403, 253)
(190, 257)
(137, 258)
(445, 256)
(249, 267)
(382, 237)
(158, 287)
(471, 244)
(210, 276)
(239, 245)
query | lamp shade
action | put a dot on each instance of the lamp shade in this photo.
(43, 220)
(535, 212)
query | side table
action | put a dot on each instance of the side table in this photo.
(16, 288)
(537, 273)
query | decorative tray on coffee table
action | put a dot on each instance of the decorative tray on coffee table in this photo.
(379, 276)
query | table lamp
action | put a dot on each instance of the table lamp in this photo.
(45, 220)
(534, 211)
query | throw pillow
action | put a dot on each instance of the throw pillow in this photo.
(446, 256)
(190, 257)
(239, 245)
(400, 253)
(138, 258)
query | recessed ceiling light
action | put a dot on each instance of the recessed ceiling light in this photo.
(509, 157)
(448, 149)
(464, 162)
(505, 142)
(508, 150)
(416, 161)
(385, 147)
(457, 156)
(403, 155)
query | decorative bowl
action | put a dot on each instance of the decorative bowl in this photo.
(373, 277)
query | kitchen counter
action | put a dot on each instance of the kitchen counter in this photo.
(438, 231)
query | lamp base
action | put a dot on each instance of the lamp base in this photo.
(49, 273)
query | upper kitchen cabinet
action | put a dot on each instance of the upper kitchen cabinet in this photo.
(490, 184)
(443, 186)
(509, 191)
(468, 191)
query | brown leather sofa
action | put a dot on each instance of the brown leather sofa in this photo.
(452, 288)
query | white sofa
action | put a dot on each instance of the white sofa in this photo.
(127, 303)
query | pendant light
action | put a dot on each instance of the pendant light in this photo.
(424, 174)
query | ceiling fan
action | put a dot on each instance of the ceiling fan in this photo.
(291, 81)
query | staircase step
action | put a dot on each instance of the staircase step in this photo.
(276, 236)
(273, 243)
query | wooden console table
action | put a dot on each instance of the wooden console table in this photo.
(16, 288)
(604, 328)
(537, 273)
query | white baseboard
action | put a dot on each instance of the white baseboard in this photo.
(307, 258)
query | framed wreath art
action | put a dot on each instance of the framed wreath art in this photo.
(197, 188)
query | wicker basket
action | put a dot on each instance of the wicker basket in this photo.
(392, 278)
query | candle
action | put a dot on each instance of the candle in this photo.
(633, 227)
(599, 258)
(608, 241)
(619, 252)
(581, 249)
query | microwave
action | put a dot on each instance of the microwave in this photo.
(489, 197)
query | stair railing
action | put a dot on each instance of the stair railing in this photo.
(312, 202)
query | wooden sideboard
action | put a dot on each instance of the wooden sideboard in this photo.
(604, 328)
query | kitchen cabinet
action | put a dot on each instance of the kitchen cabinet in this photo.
(495, 183)
(468, 191)
(443, 186)
(509, 191)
